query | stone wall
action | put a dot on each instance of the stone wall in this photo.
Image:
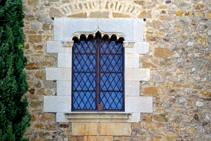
(178, 33)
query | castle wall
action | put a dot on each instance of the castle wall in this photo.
(178, 33)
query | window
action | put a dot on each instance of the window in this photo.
(98, 74)
(119, 71)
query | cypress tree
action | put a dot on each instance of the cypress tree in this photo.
(14, 117)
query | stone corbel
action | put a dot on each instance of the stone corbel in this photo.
(128, 44)
(68, 43)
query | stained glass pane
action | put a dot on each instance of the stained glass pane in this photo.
(84, 76)
(111, 76)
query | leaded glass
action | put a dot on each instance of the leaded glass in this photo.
(98, 75)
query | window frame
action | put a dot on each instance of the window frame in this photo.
(99, 40)
(132, 31)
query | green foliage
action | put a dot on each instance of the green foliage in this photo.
(14, 117)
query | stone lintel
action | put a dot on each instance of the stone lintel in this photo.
(130, 29)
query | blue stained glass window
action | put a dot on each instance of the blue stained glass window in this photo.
(98, 75)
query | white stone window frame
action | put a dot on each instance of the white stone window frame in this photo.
(132, 30)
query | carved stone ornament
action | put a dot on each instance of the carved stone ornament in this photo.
(81, 6)
(129, 29)
(109, 34)
(68, 44)
(127, 44)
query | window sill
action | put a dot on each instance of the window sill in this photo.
(95, 117)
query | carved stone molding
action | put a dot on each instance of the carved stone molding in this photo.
(81, 6)
(68, 44)
(129, 29)
(98, 116)
(109, 34)
(127, 44)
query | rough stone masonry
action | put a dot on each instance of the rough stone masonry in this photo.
(178, 33)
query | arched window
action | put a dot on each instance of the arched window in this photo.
(98, 74)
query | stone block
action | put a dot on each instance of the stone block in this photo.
(205, 94)
(153, 91)
(160, 118)
(120, 15)
(34, 27)
(78, 25)
(137, 74)
(138, 30)
(36, 104)
(139, 104)
(145, 14)
(162, 53)
(58, 73)
(99, 14)
(179, 13)
(142, 47)
(123, 26)
(55, 12)
(139, 47)
(78, 15)
(90, 117)
(54, 46)
(132, 88)
(84, 128)
(75, 138)
(115, 129)
(64, 87)
(33, 2)
(135, 117)
(57, 104)
(132, 61)
(98, 138)
(61, 117)
(47, 117)
(35, 38)
(58, 29)
(57, 47)
(45, 19)
(64, 60)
